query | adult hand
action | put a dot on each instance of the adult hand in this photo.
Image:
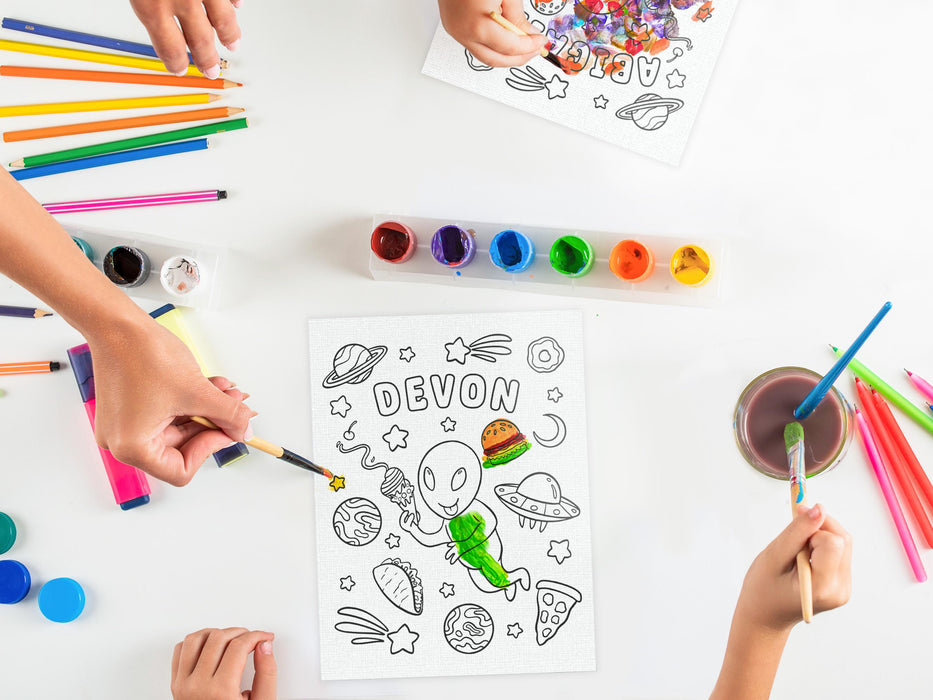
(209, 664)
(148, 384)
(468, 22)
(770, 596)
(199, 20)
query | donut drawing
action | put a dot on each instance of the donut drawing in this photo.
(545, 355)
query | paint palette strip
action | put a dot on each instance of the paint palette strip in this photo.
(678, 270)
(152, 268)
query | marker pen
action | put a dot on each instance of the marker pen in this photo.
(129, 484)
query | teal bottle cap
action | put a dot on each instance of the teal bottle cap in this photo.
(61, 599)
(14, 581)
(7, 532)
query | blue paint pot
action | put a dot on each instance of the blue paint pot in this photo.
(512, 251)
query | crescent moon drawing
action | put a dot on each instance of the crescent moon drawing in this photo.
(557, 439)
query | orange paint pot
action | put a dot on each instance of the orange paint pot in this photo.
(631, 261)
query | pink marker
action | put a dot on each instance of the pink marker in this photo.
(888, 492)
(130, 486)
(922, 384)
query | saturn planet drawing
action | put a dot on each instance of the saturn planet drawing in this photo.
(537, 501)
(650, 111)
(353, 364)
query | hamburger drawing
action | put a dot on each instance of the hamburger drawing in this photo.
(502, 442)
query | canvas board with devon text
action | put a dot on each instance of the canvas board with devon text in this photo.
(455, 536)
(634, 70)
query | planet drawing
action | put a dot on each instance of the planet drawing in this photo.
(468, 628)
(353, 364)
(357, 521)
(650, 111)
(537, 501)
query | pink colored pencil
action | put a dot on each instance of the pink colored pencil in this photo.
(151, 200)
(922, 384)
(890, 499)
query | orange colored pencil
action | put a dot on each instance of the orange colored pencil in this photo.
(127, 123)
(104, 76)
(29, 367)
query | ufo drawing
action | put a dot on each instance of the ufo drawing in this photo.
(650, 111)
(537, 500)
(353, 364)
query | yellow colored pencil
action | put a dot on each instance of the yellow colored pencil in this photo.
(103, 105)
(90, 56)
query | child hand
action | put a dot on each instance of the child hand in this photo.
(468, 22)
(208, 665)
(199, 21)
(147, 384)
(770, 596)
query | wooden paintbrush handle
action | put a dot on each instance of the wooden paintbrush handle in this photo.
(804, 573)
(257, 443)
(506, 24)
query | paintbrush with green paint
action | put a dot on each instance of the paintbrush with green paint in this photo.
(796, 460)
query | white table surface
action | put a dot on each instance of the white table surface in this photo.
(810, 157)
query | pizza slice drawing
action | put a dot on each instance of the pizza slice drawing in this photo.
(555, 601)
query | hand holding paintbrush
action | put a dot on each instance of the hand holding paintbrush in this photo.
(794, 444)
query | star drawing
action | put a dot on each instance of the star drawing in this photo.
(554, 395)
(704, 13)
(403, 639)
(560, 550)
(406, 354)
(515, 629)
(347, 582)
(457, 351)
(447, 590)
(600, 102)
(675, 79)
(556, 87)
(396, 438)
(337, 483)
(392, 540)
(340, 407)
(448, 424)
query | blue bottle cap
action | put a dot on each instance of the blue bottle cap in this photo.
(7, 532)
(14, 581)
(61, 599)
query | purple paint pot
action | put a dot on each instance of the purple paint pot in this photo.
(453, 246)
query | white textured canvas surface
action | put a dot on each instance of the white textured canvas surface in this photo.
(599, 99)
(428, 387)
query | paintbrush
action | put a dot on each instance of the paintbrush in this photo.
(274, 450)
(545, 54)
(793, 443)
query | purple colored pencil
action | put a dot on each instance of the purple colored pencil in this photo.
(23, 312)
(149, 200)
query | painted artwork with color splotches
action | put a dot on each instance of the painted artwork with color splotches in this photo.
(634, 71)
(454, 538)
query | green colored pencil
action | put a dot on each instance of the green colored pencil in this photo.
(890, 393)
(127, 144)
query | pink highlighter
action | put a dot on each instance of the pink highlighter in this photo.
(130, 486)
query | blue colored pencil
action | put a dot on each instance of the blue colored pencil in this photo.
(816, 395)
(102, 42)
(68, 166)
(23, 312)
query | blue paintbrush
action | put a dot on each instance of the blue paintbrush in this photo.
(813, 399)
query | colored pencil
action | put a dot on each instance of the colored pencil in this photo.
(127, 144)
(275, 451)
(23, 312)
(105, 105)
(890, 499)
(920, 476)
(150, 200)
(68, 166)
(103, 76)
(90, 56)
(892, 456)
(922, 384)
(29, 367)
(796, 461)
(545, 54)
(890, 393)
(101, 42)
(818, 392)
(127, 123)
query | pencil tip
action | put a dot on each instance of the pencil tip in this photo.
(908, 372)
(18, 163)
(213, 98)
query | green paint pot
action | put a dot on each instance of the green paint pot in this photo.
(572, 256)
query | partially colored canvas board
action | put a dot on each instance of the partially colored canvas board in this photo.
(638, 68)
(455, 538)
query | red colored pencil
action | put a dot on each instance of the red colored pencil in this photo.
(887, 418)
(894, 461)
